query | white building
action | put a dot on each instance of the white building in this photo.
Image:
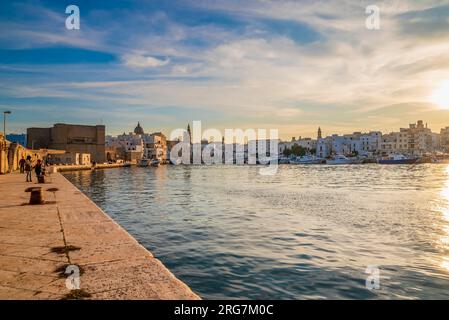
(129, 146)
(129, 142)
(307, 143)
(324, 147)
(371, 142)
(138, 144)
(354, 143)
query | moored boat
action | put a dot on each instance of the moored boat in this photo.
(341, 159)
(154, 163)
(143, 163)
(398, 159)
(307, 160)
(283, 160)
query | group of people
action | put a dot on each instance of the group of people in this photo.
(27, 166)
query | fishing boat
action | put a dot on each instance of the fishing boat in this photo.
(341, 159)
(143, 163)
(398, 159)
(307, 160)
(283, 160)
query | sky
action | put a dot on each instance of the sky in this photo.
(287, 65)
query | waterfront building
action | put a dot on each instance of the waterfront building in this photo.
(371, 142)
(420, 138)
(436, 145)
(69, 158)
(340, 144)
(354, 143)
(324, 147)
(156, 146)
(137, 145)
(113, 154)
(129, 147)
(71, 138)
(359, 143)
(308, 144)
(444, 139)
(393, 143)
(417, 140)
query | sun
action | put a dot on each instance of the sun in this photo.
(441, 95)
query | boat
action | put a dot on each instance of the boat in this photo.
(440, 161)
(307, 160)
(143, 163)
(154, 163)
(284, 161)
(341, 159)
(398, 159)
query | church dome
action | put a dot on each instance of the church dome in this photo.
(138, 129)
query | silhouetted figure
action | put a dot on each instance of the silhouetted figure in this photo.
(28, 168)
(38, 168)
(22, 165)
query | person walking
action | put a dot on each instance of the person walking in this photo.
(22, 165)
(28, 167)
(38, 169)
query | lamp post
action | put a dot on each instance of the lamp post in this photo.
(4, 122)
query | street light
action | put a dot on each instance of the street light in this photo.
(4, 121)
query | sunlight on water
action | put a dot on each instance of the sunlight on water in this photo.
(307, 232)
(445, 211)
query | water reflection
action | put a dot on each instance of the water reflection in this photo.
(444, 208)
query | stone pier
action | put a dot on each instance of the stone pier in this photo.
(39, 242)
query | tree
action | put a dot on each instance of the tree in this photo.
(287, 152)
(298, 150)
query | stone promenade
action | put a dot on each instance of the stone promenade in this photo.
(38, 242)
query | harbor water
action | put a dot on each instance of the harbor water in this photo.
(306, 232)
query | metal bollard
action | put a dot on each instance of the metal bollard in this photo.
(37, 195)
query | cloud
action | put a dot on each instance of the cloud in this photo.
(231, 57)
(141, 61)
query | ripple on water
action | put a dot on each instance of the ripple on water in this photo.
(308, 232)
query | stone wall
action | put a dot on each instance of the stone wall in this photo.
(11, 153)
